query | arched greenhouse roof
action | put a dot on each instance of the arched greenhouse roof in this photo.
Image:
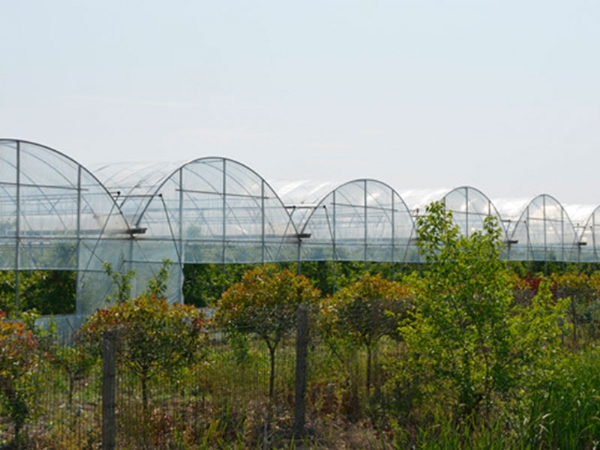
(210, 210)
(543, 232)
(56, 215)
(469, 205)
(362, 220)
(418, 199)
(301, 197)
(217, 210)
(303, 192)
(132, 184)
(580, 215)
(588, 244)
(511, 209)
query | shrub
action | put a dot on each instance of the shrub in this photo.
(18, 359)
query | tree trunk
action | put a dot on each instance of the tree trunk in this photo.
(71, 389)
(369, 364)
(272, 375)
(144, 380)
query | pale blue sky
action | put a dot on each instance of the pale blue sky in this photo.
(503, 96)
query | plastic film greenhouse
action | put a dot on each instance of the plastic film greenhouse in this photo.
(60, 216)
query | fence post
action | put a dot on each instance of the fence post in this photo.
(109, 430)
(301, 353)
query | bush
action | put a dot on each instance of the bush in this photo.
(18, 360)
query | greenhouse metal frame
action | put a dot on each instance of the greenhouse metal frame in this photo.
(58, 215)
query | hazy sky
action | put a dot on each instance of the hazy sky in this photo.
(503, 96)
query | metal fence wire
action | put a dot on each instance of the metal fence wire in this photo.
(219, 399)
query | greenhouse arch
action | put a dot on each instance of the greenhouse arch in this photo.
(588, 243)
(57, 215)
(362, 220)
(543, 232)
(208, 211)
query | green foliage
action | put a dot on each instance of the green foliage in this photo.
(75, 359)
(329, 277)
(18, 360)
(539, 330)
(364, 312)
(204, 284)
(584, 308)
(47, 292)
(561, 407)
(545, 396)
(467, 336)
(363, 307)
(154, 336)
(460, 330)
(158, 284)
(264, 303)
(122, 282)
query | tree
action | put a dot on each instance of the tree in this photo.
(154, 336)
(467, 333)
(367, 310)
(73, 358)
(122, 284)
(460, 329)
(264, 303)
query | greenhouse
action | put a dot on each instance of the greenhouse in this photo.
(59, 215)
(56, 215)
(361, 220)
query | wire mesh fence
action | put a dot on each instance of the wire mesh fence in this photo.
(222, 398)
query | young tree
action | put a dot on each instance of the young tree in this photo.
(467, 333)
(74, 358)
(460, 330)
(154, 336)
(264, 303)
(367, 310)
(122, 284)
